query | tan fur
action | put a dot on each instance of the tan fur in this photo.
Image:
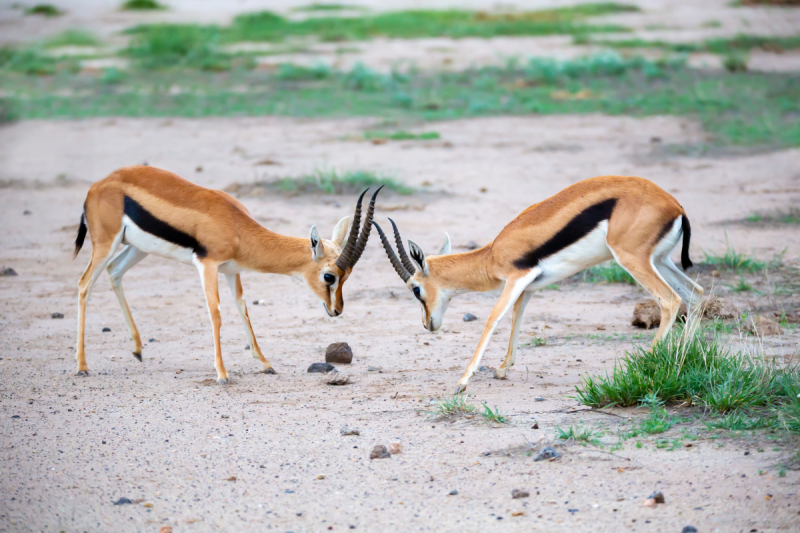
(642, 209)
(220, 223)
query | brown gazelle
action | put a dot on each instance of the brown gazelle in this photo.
(628, 219)
(153, 211)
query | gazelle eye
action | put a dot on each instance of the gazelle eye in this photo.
(416, 292)
(329, 278)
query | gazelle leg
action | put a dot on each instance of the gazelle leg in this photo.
(641, 268)
(101, 253)
(209, 275)
(516, 321)
(235, 283)
(511, 292)
(116, 268)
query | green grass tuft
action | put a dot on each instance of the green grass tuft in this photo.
(451, 407)
(142, 5)
(335, 182)
(735, 261)
(494, 416)
(401, 136)
(47, 10)
(581, 435)
(72, 38)
(328, 7)
(177, 45)
(610, 272)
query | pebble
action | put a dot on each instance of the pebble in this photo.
(336, 378)
(689, 529)
(539, 399)
(658, 497)
(8, 272)
(321, 368)
(375, 369)
(123, 501)
(345, 431)
(321, 476)
(57, 315)
(165, 529)
(517, 494)
(14, 416)
(453, 492)
(380, 452)
(649, 502)
(547, 453)
(471, 245)
(152, 340)
(395, 448)
(469, 317)
(339, 352)
(106, 329)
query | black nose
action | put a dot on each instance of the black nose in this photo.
(336, 312)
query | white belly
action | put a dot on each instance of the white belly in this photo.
(151, 244)
(587, 252)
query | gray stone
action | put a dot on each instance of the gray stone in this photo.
(453, 492)
(517, 494)
(336, 378)
(689, 529)
(8, 272)
(658, 497)
(380, 452)
(339, 352)
(106, 329)
(57, 315)
(469, 317)
(345, 431)
(123, 501)
(547, 453)
(321, 367)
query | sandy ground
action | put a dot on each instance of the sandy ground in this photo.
(164, 435)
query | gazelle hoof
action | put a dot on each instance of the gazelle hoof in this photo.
(460, 388)
(83, 373)
(500, 374)
(269, 370)
(138, 355)
(222, 381)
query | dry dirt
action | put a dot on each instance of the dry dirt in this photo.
(164, 435)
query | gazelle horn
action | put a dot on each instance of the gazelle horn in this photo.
(398, 266)
(344, 259)
(401, 251)
(364, 236)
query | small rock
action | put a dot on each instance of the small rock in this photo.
(8, 272)
(547, 453)
(518, 513)
(763, 326)
(225, 416)
(123, 501)
(14, 416)
(655, 140)
(165, 529)
(517, 494)
(380, 452)
(471, 245)
(469, 317)
(535, 426)
(345, 431)
(336, 378)
(453, 492)
(658, 497)
(689, 529)
(232, 478)
(339, 352)
(148, 504)
(321, 368)
(539, 399)
(484, 368)
(27, 212)
(374, 369)
(57, 315)
(198, 169)
(321, 476)
(106, 329)
(395, 448)
(649, 502)
(152, 340)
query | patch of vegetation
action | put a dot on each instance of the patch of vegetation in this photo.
(268, 26)
(609, 272)
(494, 416)
(29, 61)
(696, 368)
(72, 38)
(735, 261)
(582, 435)
(142, 5)
(741, 286)
(401, 136)
(452, 407)
(735, 63)
(328, 7)
(723, 45)
(535, 340)
(177, 45)
(290, 72)
(336, 182)
(786, 3)
(792, 216)
(47, 10)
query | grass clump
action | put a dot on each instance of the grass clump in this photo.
(582, 435)
(735, 261)
(142, 5)
(72, 38)
(696, 368)
(451, 407)
(291, 72)
(328, 7)
(46, 10)
(177, 45)
(336, 182)
(792, 216)
(28, 61)
(610, 272)
(494, 416)
(401, 136)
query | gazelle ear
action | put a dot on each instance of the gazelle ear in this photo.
(340, 231)
(317, 251)
(418, 257)
(445, 249)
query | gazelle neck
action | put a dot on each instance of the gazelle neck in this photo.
(466, 272)
(265, 251)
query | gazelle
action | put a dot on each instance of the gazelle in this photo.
(153, 211)
(629, 219)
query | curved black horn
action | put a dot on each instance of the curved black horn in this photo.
(344, 259)
(401, 250)
(361, 243)
(398, 266)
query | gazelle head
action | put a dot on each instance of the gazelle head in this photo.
(333, 260)
(420, 276)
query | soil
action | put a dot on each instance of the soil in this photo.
(249, 456)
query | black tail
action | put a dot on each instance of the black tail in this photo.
(81, 235)
(687, 236)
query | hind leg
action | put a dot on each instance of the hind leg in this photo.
(641, 268)
(516, 322)
(101, 254)
(235, 283)
(116, 268)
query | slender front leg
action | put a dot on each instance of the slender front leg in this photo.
(512, 291)
(209, 275)
(126, 259)
(235, 283)
(101, 253)
(516, 321)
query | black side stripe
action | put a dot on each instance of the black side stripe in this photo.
(577, 228)
(664, 230)
(147, 222)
